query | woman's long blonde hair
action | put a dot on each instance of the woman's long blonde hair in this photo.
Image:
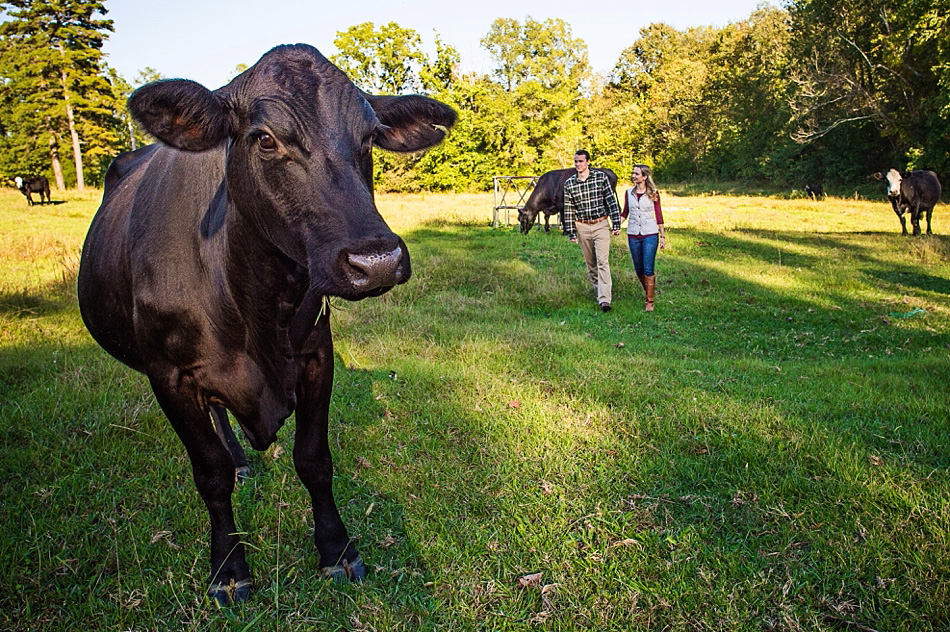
(650, 185)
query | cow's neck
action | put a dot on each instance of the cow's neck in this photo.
(267, 288)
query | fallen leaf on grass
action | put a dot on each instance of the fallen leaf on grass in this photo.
(167, 536)
(532, 580)
(363, 464)
(876, 461)
(541, 617)
(627, 542)
(547, 488)
(515, 403)
(277, 453)
(387, 542)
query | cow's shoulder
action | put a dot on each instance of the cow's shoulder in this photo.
(126, 163)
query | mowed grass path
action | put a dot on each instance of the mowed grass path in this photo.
(769, 450)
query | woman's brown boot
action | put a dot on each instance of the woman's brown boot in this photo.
(649, 285)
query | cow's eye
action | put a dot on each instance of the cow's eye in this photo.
(266, 142)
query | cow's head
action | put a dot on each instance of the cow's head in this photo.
(19, 182)
(299, 138)
(526, 218)
(893, 183)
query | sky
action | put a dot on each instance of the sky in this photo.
(205, 40)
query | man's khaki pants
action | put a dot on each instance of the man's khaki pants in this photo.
(594, 240)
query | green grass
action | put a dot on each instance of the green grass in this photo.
(769, 450)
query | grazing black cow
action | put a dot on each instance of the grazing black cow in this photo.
(208, 265)
(814, 191)
(35, 184)
(916, 191)
(548, 197)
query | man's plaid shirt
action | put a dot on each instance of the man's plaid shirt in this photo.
(588, 200)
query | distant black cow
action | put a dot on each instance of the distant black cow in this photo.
(548, 197)
(916, 191)
(814, 191)
(208, 264)
(34, 184)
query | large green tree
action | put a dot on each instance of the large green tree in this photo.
(52, 78)
(544, 71)
(874, 73)
(383, 61)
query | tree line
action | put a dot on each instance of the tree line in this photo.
(812, 91)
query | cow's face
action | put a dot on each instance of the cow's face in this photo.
(526, 217)
(893, 183)
(299, 140)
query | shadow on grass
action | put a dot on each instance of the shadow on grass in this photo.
(99, 499)
(55, 296)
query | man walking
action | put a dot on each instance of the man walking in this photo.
(588, 200)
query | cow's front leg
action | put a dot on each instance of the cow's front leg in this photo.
(915, 219)
(900, 216)
(213, 469)
(312, 459)
(547, 223)
(930, 212)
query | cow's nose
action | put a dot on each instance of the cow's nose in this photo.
(370, 271)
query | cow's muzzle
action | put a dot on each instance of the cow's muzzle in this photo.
(370, 273)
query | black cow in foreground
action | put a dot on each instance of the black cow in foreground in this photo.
(36, 184)
(916, 191)
(814, 191)
(548, 197)
(208, 265)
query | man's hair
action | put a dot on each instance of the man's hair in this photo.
(582, 152)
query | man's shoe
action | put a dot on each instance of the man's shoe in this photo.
(605, 307)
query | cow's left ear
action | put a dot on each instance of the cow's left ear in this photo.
(181, 113)
(411, 122)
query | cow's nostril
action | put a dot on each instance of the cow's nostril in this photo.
(370, 271)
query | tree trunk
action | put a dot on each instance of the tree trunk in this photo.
(77, 150)
(54, 159)
(70, 119)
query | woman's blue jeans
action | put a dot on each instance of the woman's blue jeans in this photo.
(643, 253)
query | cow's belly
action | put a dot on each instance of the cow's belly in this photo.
(104, 289)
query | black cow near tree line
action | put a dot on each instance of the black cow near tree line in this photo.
(915, 191)
(208, 265)
(548, 197)
(33, 184)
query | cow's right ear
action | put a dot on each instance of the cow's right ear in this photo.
(181, 113)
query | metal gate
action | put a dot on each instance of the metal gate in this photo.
(511, 193)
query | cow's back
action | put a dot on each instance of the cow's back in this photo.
(105, 282)
(928, 186)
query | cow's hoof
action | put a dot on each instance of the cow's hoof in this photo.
(353, 571)
(242, 473)
(231, 593)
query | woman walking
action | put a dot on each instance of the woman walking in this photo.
(644, 228)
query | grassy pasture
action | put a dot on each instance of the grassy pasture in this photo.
(769, 450)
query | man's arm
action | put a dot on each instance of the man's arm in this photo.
(569, 228)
